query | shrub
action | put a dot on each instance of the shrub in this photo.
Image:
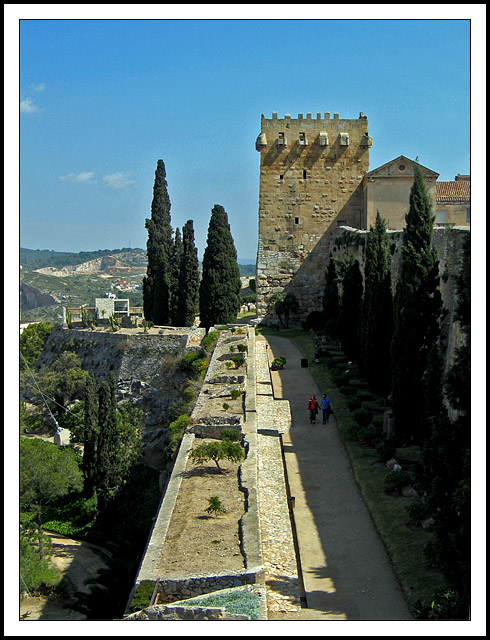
(188, 394)
(175, 432)
(142, 596)
(36, 573)
(386, 450)
(398, 479)
(347, 390)
(362, 417)
(353, 402)
(369, 435)
(215, 506)
(230, 434)
(242, 348)
(235, 393)
(445, 604)
(226, 406)
(278, 363)
(418, 511)
(239, 361)
(193, 363)
(209, 341)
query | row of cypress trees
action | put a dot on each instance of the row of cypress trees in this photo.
(393, 338)
(173, 290)
(396, 341)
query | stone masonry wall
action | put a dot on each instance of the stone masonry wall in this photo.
(306, 188)
(265, 527)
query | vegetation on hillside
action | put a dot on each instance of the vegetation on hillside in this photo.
(31, 259)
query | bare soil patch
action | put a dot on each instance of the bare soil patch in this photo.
(197, 541)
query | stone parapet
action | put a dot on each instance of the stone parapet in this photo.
(265, 528)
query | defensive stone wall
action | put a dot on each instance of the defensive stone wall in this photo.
(311, 170)
(145, 364)
(265, 527)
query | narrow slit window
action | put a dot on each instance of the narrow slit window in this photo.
(304, 174)
(296, 221)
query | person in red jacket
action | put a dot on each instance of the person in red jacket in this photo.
(313, 407)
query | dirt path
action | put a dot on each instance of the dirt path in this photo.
(77, 561)
(346, 571)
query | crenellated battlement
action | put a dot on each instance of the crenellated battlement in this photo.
(311, 172)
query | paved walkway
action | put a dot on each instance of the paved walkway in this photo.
(346, 571)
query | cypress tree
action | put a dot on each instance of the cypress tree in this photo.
(417, 308)
(446, 458)
(377, 310)
(107, 444)
(350, 310)
(175, 265)
(159, 246)
(187, 298)
(331, 301)
(91, 430)
(219, 293)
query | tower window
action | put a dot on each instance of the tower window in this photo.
(281, 176)
(296, 221)
(304, 174)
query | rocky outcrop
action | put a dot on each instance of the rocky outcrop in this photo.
(31, 298)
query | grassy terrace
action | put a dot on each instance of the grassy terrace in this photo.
(404, 543)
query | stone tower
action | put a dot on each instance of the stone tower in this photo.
(311, 171)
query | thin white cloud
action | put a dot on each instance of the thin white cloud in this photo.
(78, 178)
(118, 180)
(38, 87)
(28, 106)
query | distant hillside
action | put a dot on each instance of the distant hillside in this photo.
(32, 259)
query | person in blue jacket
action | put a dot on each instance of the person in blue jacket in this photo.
(326, 406)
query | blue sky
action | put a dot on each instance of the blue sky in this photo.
(103, 100)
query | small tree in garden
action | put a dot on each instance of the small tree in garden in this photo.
(215, 506)
(217, 451)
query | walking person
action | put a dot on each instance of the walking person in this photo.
(313, 407)
(326, 406)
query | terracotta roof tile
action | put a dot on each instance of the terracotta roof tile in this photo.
(453, 191)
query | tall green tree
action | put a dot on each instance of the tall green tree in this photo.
(90, 435)
(187, 294)
(219, 293)
(175, 264)
(119, 444)
(446, 457)
(156, 284)
(331, 301)
(46, 474)
(377, 310)
(350, 310)
(106, 446)
(33, 339)
(417, 309)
